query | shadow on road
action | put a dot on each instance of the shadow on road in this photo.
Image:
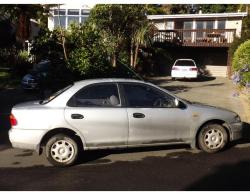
(226, 177)
(201, 78)
(95, 156)
(4, 127)
(246, 132)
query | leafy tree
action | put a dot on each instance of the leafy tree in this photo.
(7, 33)
(155, 9)
(20, 15)
(219, 8)
(47, 45)
(119, 26)
(87, 52)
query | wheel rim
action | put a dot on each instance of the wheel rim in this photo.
(62, 151)
(213, 138)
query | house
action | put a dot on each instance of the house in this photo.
(203, 37)
(65, 14)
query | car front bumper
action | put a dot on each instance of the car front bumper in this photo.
(26, 85)
(236, 131)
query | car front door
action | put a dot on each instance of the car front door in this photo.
(97, 113)
(153, 116)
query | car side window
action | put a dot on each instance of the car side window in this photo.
(138, 95)
(97, 95)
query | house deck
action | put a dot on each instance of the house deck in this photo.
(195, 37)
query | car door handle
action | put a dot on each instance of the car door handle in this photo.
(138, 115)
(77, 116)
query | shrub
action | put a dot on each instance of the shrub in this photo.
(241, 62)
(23, 64)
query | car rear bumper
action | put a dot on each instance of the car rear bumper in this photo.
(184, 74)
(25, 139)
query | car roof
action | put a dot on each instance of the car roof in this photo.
(185, 59)
(90, 81)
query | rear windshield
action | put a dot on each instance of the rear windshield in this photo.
(54, 95)
(184, 63)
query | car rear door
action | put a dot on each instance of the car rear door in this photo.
(153, 116)
(97, 113)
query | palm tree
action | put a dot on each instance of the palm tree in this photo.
(141, 38)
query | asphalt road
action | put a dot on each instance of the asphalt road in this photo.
(154, 168)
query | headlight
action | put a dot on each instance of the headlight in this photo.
(237, 118)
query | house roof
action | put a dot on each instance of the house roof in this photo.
(185, 16)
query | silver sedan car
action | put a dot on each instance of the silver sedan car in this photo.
(117, 113)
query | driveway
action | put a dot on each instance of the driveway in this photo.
(213, 91)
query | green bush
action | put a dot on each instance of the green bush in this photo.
(23, 64)
(241, 59)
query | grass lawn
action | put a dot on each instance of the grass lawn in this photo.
(7, 80)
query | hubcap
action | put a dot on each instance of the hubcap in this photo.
(62, 151)
(213, 138)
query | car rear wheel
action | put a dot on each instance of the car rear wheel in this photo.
(62, 150)
(212, 138)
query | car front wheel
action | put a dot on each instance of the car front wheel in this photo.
(62, 150)
(212, 138)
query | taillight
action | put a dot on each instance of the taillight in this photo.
(175, 68)
(13, 120)
(193, 69)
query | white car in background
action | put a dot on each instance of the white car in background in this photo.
(184, 68)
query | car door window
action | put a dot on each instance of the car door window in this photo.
(97, 95)
(138, 95)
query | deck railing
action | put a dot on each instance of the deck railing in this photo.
(195, 38)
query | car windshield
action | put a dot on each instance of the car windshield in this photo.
(54, 95)
(184, 63)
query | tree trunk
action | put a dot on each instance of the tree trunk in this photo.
(114, 60)
(131, 54)
(62, 36)
(23, 30)
(136, 54)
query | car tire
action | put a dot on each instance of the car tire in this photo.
(62, 150)
(212, 138)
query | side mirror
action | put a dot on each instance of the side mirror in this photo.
(176, 102)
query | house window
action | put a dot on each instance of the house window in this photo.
(200, 26)
(203, 25)
(187, 26)
(85, 12)
(169, 25)
(69, 16)
(209, 24)
(59, 12)
(73, 19)
(62, 22)
(73, 16)
(221, 24)
(73, 12)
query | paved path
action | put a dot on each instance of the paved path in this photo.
(217, 92)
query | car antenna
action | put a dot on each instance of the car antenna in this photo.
(131, 69)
